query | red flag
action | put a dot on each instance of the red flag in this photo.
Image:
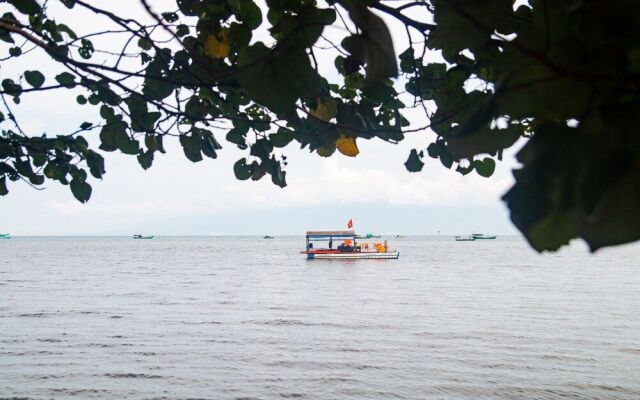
(350, 224)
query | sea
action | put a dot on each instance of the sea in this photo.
(178, 318)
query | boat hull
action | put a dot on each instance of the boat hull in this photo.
(481, 236)
(391, 255)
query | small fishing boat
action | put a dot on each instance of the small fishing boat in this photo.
(372, 236)
(481, 236)
(268, 237)
(5, 236)
(142, 237)
(346, 247)
(465, 238)
(401, 237)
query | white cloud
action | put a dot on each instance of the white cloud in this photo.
(124, 209)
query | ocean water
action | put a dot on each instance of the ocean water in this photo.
(247, 318)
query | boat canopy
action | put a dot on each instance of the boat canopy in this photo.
(330, 234)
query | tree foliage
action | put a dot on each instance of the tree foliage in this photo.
(484, 73)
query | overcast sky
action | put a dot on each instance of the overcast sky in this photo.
(177, 197)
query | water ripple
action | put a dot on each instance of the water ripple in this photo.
(206, 318)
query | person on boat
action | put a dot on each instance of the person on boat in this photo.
(330, 243)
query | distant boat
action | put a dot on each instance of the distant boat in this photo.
(372, 235)
(347, 247)
(5, 236)
(481, 236)
(142, 237)
(465, 238)
(268, 237)
(400, 236)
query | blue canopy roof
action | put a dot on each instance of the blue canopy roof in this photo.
(330, 234)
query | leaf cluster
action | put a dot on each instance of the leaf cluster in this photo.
(561, 75)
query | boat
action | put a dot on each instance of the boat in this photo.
(401, 237)
(372, 236)
(268, 237)
(346, 247)
(481, 236)
(469, 238)
(142, 237)
(5, 236)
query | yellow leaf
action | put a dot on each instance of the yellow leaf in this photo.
(326, 150)
(347, 146)
(217, 45)
(325, 110)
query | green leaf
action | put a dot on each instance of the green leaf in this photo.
(304, 29)
(66, 79)
(182, 30)
(242, 170)
(68, 3)
(192, 146)
(129, 146)
(414, 162)
(209, 144)
(145, 159)
(36, 179)
(29, 7)
(374, 46)
(484, 141)
(407, 63)
(114, 136)
(291, 76)
(15, 51)
(157, 89)
(484, 167)
(282, 138)
(247, 12)
(86, 51)
(190, 8)
(34, 78)
(86, 125)
(3, 186)
(145, 44)
(11, 87)
(81, 190)
(141, 119)
(262, 149)
(170, 17)
(95, 162)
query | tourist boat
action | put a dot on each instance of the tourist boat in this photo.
(5, 236)
(481, 236)
(142, 237)
(370, 236)
(268, 237)
(465, 238)
(344, 245)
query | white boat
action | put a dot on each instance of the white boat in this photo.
(142, 237)
(347, 247)
(481, 236)
(465, 238)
